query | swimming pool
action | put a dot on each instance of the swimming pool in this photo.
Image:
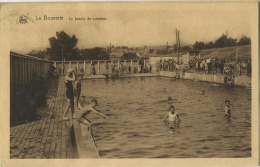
(136, 107)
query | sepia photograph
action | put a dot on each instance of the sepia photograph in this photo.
(131, 80)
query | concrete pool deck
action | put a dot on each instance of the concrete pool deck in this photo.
(50, 137)
(122, 76)
(242, 80)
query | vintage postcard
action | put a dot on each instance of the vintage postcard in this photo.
(129, 84)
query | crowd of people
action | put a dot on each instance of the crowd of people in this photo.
(221, 66)
(124, 69)
(209, 66)
(228, 67)
(167, 65)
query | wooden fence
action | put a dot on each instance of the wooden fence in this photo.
(23, 68)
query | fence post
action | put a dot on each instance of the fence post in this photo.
(23, 72)
(131, 66)
(144, 66)
(98, 68)
(19, 70)
(91, 67)
(118, 64)
(84, 66)
(26, 71)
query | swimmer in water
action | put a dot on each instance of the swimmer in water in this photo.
(195, 79)
(164, 90)
(202, 92)
(249, 85)
(81, 114)
(170, 118)
(170, 100)
(227, 110)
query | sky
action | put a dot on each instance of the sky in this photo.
(130, 25)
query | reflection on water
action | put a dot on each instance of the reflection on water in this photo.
(135, 129)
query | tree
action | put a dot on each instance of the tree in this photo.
(244, 40)
(63, 42)
(224, 41)
(150, 51)
(221, 41)
(231, 42)
(38, 53)
(129, 55)
(95, 54)
(199, 45)
(210, 45)
(185, 48)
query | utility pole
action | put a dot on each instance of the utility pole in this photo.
(236, 51)
(236, 57)
(177, 45)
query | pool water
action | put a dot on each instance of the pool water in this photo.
(136, 106)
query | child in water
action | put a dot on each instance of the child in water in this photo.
(227, 109)
(202, 92)
(164, 90)
(171, 100)
(81, 114)
(171, 116)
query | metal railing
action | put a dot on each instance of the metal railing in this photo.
(92, 67)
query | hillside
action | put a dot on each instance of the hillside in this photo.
(230, 52)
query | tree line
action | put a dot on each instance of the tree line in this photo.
(221, 42)
(64, 47)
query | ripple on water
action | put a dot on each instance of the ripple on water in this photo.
(135, 129)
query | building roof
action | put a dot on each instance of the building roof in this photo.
(167, 55)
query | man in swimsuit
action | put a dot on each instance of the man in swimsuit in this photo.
(81, 114)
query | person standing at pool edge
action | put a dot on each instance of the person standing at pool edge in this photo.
(227, 110)
(78, 90)
(171, 116)
(69, 78)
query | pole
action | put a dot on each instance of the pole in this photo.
(62, 59)
(236, 59)
(98, 68)
(236, 51)
(131, 66)
(84, 66)
(177, 45)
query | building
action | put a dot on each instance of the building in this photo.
(190, 55)
(184, 58)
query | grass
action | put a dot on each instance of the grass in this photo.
(229, 52)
